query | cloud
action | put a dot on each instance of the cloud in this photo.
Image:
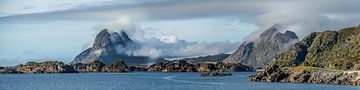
(157, 48)
(302, 17)
(166, 46)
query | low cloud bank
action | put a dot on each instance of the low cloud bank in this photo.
(166, 46)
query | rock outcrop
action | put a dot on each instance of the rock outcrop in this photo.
(116, 66)
(324, 57)
(175, 66)
(8, 70)
(183, 66)
(45, 67)
(261, 51)
(95, 66)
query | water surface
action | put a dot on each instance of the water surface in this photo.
(149, 81)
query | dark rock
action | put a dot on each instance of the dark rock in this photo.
(116, 66)
(8, 70)
(91, 67)
(175, 66)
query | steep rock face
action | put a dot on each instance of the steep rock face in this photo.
(260, 52)
(108, 47)
(321, 57)
(45, 67)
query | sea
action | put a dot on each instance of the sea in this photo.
(150, 81)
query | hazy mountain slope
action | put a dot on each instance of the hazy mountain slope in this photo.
(207, 59)
(260, 52)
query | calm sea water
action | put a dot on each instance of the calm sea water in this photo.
(149, 81)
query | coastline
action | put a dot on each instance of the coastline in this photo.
(315, 76)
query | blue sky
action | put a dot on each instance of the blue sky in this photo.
(38, 30)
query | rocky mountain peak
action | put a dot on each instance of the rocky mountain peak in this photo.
(268, 33)
(125, 37)
(107, 47)
(260, 52)
(291, 34)
(102, 39)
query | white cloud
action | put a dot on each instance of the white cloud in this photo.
(169, 39)
(168, 46)
(303, 16)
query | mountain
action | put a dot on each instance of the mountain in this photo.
(108, 47)
(331, 57)
(329, 49)
(207, 59)
(264, 48)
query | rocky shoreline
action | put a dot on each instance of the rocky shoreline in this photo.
(329, 57)
(120, 66)
(60, 67)
(183, 66)
(315, 75)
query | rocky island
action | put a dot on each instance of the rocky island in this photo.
(60, 67)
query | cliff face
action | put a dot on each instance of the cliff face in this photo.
(108, 47)
(321, 57)
(260, 52)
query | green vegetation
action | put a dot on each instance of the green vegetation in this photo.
(301, 68)
(336, 50)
